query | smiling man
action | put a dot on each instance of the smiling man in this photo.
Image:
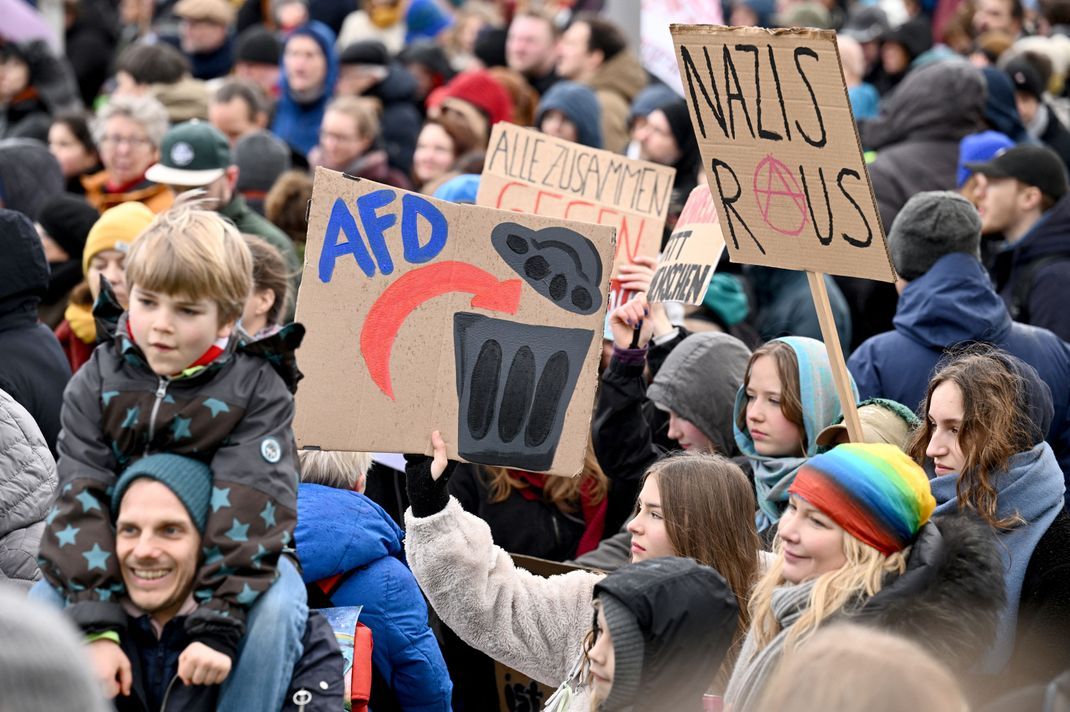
(161, 504)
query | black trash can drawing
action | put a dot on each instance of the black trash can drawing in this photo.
(514, 384)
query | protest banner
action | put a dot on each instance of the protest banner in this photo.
(784, 162)
(531, 172)
(691, 255)
(425, 315)
(655, 42)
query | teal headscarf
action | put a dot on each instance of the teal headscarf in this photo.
(820, 408)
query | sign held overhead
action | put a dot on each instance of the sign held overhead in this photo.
(691, 255)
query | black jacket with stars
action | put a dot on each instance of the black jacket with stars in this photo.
(235, 415)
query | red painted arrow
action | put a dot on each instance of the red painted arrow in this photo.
(414, 288)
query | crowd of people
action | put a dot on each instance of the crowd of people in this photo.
(164, 544)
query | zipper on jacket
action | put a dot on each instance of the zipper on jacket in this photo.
(557, 530)
(161, 391)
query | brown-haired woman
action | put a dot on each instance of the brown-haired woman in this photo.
(985, 417)
(537, 625)
(441, 144)
(270, 299)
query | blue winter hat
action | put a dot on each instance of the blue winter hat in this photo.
(459, 189)
(654, 96)
(579, 105)
(190, 480)
(977, 148)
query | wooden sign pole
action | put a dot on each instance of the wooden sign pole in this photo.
(836, 360)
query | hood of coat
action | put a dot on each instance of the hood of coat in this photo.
(699, 379)
(623, 74)
(339, 530)
(26, 468)
(954, 567)
(687, 615)
(951, 303)
(24, 271)
(324, 37)
(941, 101)
(29, 175)
(398, 86)
(1048, 236)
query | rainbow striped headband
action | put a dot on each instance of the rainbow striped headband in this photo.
(874, 491)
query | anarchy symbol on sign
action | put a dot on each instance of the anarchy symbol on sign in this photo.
(779, 197)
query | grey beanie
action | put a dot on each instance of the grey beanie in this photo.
(628, 649)
(933, 224)
(190, 480)
(43, 664)
(699, 380)
(261, 158)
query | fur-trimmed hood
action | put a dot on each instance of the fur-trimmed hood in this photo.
(950, 596)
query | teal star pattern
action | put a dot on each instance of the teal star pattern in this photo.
(180, 428)
(168, 399)
(258, 557)
(285, 538)
(131, 417)
(220, 498)
(117, 453)
(52, 513)
(103, 593)
(238, 531)
(202, 594)
(97, 558)
(106, 397)
(88, 501)
(247, 595)
(66, 488)
(212, 555)
(216, 406)
(67, 536)
(268, 515)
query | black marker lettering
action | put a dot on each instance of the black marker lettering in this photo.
(692, 74)
(779, 93)
(733, 96)
(823, 239)
(819, 143)
(869, 230)
(762, 132)
(728, 203)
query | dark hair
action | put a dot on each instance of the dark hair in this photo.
(1056, 12)
(1017, 10)
(270, 272)
(246, 91)
(287, 201)
(1042, 63)
(77, 122)
(606, 36)
(153, 63)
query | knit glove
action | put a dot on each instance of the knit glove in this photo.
(427, 496)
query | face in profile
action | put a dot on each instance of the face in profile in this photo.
(600, 656)
(650, 538)
(946, 411)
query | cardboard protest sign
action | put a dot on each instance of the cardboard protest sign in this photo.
(691, 254)
(655, 43)
(425, 315)
(531, 172)
(778, 140)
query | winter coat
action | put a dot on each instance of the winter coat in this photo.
(28, 485)
(785, 306)
(154, 663)
(615, 84)
(213, 64)
(548, 533)
(344, 533)
(1056, 136)
(401, 120)
(90, 44)
(249, 222)
(33, 369)
(533, 624)
(29, 175)
(1045, 303)
(156, 197)
(52, 89)
(234, 414)
(954, 303)
(916, 138)
(297, 123)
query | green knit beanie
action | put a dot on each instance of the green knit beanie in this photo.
(190, 480)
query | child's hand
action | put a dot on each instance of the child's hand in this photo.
(635, 276)
(426, 479)
(200, 665)
(112, 667)
(626, 317)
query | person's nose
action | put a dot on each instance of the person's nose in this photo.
(634, 526)
(786, 528)
(755, 412)
(146, 548)
(936, 447)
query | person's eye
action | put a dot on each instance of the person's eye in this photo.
(146, 302)
(655, 515)
(127, 530)
(818, 523)
(186, 311)
(172, 531)
(750, 396)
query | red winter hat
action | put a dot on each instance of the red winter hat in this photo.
(480, 89)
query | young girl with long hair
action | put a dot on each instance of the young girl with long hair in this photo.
(986, 414)
(787, 398)
(843, 544)
(698, 506)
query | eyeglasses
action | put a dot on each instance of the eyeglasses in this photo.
(131, 141)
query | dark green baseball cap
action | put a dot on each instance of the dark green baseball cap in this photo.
(192, 154)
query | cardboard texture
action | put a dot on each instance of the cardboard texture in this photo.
(425, 315)
(780, 148)
(534, 173)
(655, 42)
(691, 255)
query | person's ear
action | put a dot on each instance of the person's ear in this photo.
(232, 177)
(261, 119)
(226, 329)
(1031, 198)
(265, 299)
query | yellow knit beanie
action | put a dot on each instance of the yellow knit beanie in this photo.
(116, 229)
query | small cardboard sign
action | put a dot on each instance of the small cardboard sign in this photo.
(425, 315)
(691, 255)
(531, 172)
(780, 148)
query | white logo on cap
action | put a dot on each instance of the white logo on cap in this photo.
(181, 154)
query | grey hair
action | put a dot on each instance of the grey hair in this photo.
(334, 468)
(144, 110)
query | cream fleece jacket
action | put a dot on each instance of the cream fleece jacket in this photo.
(533, 624)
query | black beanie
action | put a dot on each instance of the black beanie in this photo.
(67, 219)
(490, 47)
(365, 52)
(258, 45)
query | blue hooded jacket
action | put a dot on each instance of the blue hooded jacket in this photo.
(339, 531)
(950, 304)
(299, 124)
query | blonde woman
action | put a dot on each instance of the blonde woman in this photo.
(845, 549)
